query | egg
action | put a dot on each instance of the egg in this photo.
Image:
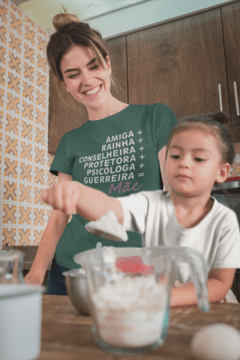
(216, 342)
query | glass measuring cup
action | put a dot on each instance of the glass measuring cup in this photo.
(129, 291)
(11, 265)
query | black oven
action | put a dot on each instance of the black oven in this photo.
(228, 194)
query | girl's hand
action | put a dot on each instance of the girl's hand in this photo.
(64, 196)
(72, 197)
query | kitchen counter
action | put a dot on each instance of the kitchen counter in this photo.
(66, 335)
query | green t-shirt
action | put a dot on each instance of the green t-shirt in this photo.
(117, 155)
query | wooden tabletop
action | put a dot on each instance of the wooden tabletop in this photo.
(66, 335)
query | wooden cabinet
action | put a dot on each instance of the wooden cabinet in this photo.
(118, 55)
(231, 31)
(65, 113)
(191, 64)
(179, 64)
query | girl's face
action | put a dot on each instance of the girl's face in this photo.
(84, 78)
(194, 163)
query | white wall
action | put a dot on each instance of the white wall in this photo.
(144, 14)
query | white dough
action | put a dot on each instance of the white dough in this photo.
(217, 342)
(107, 227)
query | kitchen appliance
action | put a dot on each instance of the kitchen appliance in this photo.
(228, 193)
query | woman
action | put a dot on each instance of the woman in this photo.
(118, 150)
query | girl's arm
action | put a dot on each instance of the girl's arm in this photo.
(219, 282)
(50, 238)
(74, 197)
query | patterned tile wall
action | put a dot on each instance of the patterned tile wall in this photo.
(24, 158)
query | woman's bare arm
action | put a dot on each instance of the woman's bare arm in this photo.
(50, 238)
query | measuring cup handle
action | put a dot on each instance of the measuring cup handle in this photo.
(198, 272)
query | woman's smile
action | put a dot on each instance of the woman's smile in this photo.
(93, 91)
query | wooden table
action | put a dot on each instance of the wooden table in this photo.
(66, 335)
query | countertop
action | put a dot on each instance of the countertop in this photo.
(66, 335)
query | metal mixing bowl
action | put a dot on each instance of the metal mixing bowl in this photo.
(76, 284)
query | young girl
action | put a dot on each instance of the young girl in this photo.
(199, 154)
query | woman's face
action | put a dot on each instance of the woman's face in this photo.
(84, 78)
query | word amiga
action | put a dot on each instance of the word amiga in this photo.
(114, 163)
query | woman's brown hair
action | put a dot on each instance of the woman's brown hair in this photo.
(71, 31)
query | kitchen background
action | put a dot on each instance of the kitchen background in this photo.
(24, 118)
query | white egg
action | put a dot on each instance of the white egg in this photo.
(216, 342)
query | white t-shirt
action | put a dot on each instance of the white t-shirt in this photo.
(216, 237)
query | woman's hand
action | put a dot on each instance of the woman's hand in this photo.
(31, 279)
(64, 196)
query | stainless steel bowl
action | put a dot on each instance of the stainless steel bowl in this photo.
(76, 284)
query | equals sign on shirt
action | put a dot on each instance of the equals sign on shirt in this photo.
(140, 174)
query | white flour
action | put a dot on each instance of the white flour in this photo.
(130, 312)
(107, 227)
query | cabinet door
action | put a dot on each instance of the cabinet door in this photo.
(231, 31)
(69, 114)
(179, 63)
